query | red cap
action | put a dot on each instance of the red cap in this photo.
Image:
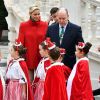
(51, 45)
(62, 51)
(81, 45)
(17, 43)
(46, 41)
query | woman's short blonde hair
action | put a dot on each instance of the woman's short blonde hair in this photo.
(32, 8)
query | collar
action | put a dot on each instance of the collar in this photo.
(63, 26)
(19, 59)
(84, 58)
(55, 64)
(46, 58)
(35, 22)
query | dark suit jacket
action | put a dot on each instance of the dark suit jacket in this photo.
(72, 36)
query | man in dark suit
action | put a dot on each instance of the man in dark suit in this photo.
(66, 35)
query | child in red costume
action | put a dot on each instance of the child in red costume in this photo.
(38, 84)
(79, 83)
(55, 83)
(17, 78)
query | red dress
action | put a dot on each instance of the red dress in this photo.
(55, 83)
(31, 34)
(79, 84)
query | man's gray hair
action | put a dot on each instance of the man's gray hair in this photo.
(63, 9)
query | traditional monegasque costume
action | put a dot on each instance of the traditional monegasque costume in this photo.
(55, 83)
(79, 84)
(31, 34)
(38, 84)
(2, 87)
(17, 80)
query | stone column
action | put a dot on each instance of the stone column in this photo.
(84, 10)
(98, 24)
(93, 22)
(88, 21)
(11, 22)
(73, 9)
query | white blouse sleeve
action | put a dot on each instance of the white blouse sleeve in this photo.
(22, 75)
(15, 72)
(40, 72)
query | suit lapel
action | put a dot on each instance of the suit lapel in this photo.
(67, 33)
(57, 32)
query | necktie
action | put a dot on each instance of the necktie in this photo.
(61, 34)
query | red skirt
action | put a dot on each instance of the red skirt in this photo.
(15, 91)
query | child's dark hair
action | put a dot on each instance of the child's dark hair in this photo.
(54, 53)
(21, 50)
(86, 48)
